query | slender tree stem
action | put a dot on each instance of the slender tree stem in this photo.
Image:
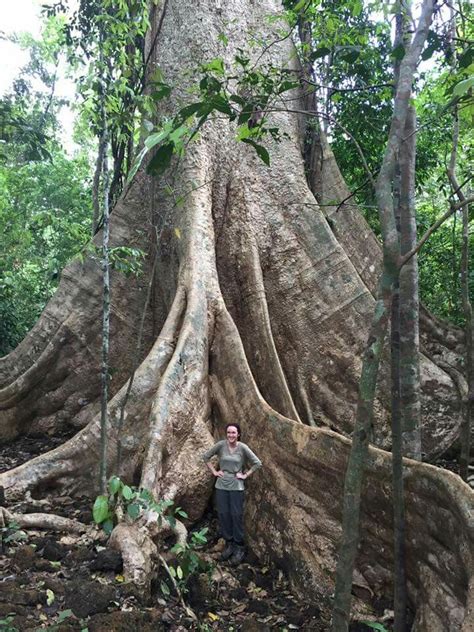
(106, 292)
(391, 266)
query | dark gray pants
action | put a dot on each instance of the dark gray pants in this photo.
(230, 509)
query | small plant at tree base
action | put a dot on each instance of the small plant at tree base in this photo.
(6, 623)
(130, 502)
(10, 534)
(189, 562)
(375, 626)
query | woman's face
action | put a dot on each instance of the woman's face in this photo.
(232, 434)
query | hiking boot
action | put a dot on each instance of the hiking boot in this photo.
(227, 552)
(238, 556)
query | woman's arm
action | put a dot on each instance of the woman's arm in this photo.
(253, 460)
(208, 455)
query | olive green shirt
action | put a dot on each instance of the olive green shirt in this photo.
(232, 462)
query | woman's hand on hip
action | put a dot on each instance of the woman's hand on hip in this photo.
(219, 474)
(241, 475)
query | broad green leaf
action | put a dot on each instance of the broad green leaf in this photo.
(65, 614)
(108, 526)
(156, 138)
(467, 58)
(162, 91)
(136, 164)
(114, 484)
(133, 510)
(189, 110)
(463, 86)
(221, 104)
(262, 153)
(215, 65)
(100, 510)
(50, 597)
(164, 588)
(176, 134)
(127, 492)
(375, 626)
(179, 572)
(398, 52)
(244, 132)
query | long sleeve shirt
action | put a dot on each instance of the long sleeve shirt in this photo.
(232, 462)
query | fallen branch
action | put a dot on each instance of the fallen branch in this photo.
(52, 522)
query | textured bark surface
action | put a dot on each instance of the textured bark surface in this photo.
(259, 313)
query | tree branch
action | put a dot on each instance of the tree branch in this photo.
(432, 229)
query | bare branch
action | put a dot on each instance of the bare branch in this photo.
(434, 227)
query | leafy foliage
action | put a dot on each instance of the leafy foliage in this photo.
(188, 561)
(133, 502)
(117, 28)
(45, 211)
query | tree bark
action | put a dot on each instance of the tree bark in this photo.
(259, 312)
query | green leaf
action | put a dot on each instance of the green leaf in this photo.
(375, 626)
(49, 597)
(161, 160)
(189, 110)
(155, 139)
(127, 492)
(162, 91)
(114, 484)
(398, 52)
(300, 5)
(262, 153)
(237, 99)
(467, 58)
(179, 572)
(136, 164)
(172, 572)
(133, 510)
(244, 132)
(221, 104)
(108, 526)
(164, 588)
(215, 65)
(100, 510)
(463, 86)
(65, 614)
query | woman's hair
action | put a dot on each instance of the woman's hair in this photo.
(239, 432)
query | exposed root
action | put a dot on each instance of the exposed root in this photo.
(293, 512)
(138, 553)
(50, 522)
(66, 465)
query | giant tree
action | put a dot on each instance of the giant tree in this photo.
(257, 309)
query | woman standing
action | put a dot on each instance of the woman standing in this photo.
(233, 455)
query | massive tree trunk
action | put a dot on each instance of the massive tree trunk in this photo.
(259, 313)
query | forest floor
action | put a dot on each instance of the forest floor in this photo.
(70, 583)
